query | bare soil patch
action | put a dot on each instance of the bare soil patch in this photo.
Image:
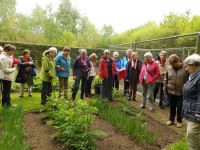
(38, 133)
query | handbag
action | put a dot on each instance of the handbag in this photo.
(33, 73)
(2, 75)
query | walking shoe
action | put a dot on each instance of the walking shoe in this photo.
(142, 106)
(20, 96)
(129, 99)
(179, 125)
(169, 123)
(135, 100)
(151, 109)
(30, 95)
(161, 106)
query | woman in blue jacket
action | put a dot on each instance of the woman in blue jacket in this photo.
(118, 65)
(63, 70)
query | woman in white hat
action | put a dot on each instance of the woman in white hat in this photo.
(47, 73)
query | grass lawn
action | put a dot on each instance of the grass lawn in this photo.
(28, 103)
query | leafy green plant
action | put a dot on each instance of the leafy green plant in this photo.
(12, 126)
(135, 126)
(72, 121)
(182, 144)
(117, 93)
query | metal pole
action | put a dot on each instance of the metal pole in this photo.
(198, 44)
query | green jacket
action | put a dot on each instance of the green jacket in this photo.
(48, 68)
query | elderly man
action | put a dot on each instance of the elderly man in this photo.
(163, 65)
(174, 79)
(148, 76)
(191, 101)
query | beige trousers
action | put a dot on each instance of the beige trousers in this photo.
(193, 135)
(22, 89)
(63, 86)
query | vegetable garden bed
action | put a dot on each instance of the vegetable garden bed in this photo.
(41, 135)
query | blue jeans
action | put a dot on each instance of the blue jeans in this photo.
(76, 86)
(106, 88)
(147, 88)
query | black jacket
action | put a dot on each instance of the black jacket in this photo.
(79, 69)
(131, 73)
(23, 76)
(191, 98)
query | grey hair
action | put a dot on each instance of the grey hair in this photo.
(128, 50)
(193, 60)
(53, 49)
(83, 51)
(1, 48)
(106, 51)
(116, 53)
(148, 54)
(163, 52)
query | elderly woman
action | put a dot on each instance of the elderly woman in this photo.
(7, 72)
(163, 65)
(124, 62)
(81, 68)
(148, 76)
(133, 71)
(63, 70)
(174, 79)
(25, 73)
(1, 50)
(118, 65)
(106, 73)
(47, 73)
(191, 101)
(91, 74)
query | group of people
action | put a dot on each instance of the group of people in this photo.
(179, 80)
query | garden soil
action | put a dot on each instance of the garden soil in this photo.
(40, 134)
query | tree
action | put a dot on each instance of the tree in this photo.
(8, 9)
(88, 34)
(68, 17)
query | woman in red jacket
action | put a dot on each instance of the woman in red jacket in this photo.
(106, 73)
(148, 75)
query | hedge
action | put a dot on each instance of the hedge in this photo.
(37, 50)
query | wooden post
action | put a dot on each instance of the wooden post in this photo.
(135, 47)
(189, 52)
(132, 45)
(198, 44)
(183, 56)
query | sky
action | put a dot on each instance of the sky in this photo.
(121, 14)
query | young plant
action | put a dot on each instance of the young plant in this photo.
(72, 121)
(135, 126)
